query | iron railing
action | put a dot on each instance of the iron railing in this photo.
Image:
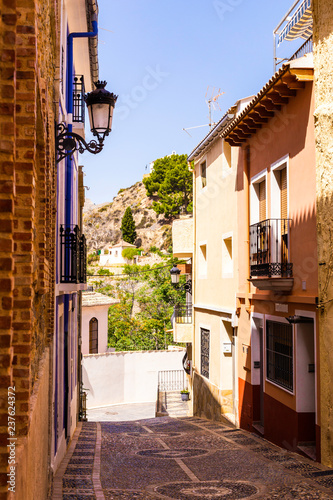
(306, 48)
(73, 257)
(78, 99)
(83, 404)
(171, 380)
(183, 314)
(269, 249)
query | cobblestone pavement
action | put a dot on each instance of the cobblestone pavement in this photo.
(183, 459)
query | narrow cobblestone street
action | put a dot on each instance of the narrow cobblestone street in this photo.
(183, 459)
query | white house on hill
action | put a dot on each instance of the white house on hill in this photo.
(95, 308)
(113, 255)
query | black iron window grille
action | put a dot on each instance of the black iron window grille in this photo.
(279, 354)
(183, 314)
(269, 249)
(78, 99)
(205, 334)
(72, 255)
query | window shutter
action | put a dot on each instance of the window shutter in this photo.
(284, 194)
(262, 201)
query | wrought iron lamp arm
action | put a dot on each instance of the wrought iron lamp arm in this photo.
(187, 287)
(68, 142)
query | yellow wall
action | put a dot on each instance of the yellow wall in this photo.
(215, 290)
(323, 71)
(216, 215)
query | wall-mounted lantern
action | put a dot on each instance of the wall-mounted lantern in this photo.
(175, 272)
(100, 104)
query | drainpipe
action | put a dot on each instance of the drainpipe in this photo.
(70, 83)
(69, 183)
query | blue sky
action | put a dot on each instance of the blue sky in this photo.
(160, 57)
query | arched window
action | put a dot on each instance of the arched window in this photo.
(93, 336)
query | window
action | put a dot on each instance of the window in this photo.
(205, 334)
(227, 263)
(262, 200)
(279, 208)
(203, 174)
(202, 261)
(279, 354)
(284, 212)
(93, 336)
(258, 197)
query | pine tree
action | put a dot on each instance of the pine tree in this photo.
(171, 181)
(128, 226)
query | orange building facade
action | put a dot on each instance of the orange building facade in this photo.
(278, 358)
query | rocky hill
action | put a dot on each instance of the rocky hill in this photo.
(101, 223)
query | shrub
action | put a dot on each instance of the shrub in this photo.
(104, 272)
(129, 253)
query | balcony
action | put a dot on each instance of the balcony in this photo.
(182, 326)
(73, 258)
(182, 238)
(270, 268)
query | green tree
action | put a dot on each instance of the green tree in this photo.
(171, 181)
(130, 253)
(128, 226)
(146, 300)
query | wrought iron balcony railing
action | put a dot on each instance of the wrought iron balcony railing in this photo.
(78, 99)
(73, 256)
(269, 249)
(306, 48)
(183, 314)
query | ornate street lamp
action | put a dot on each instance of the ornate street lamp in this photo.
(175, 272)
(100, 104)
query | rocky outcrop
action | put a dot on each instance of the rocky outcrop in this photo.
(101, 223)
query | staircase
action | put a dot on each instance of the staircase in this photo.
(170, 404)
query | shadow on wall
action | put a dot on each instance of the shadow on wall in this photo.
(207, 399)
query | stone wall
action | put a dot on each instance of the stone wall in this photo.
(27, 226)
(209, 401)
(323, 72)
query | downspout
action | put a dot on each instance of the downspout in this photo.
(70, 83)
(69, 188)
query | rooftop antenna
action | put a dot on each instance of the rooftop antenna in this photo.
(212, 103)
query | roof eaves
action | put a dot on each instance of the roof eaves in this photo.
(306, 64)
(212, 135)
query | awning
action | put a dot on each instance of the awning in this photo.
(300, 25)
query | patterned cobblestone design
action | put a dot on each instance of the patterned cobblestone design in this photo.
(187, 459)
(206, 490)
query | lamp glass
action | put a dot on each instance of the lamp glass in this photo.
(175, 272)
(100, 117)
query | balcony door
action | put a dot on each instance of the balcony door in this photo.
(283, 212)
(280, 211)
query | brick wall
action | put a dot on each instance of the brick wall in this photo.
(28, 31)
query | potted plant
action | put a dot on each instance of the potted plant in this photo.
(185, 394)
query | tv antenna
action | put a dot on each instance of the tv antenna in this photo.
(212, 104)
